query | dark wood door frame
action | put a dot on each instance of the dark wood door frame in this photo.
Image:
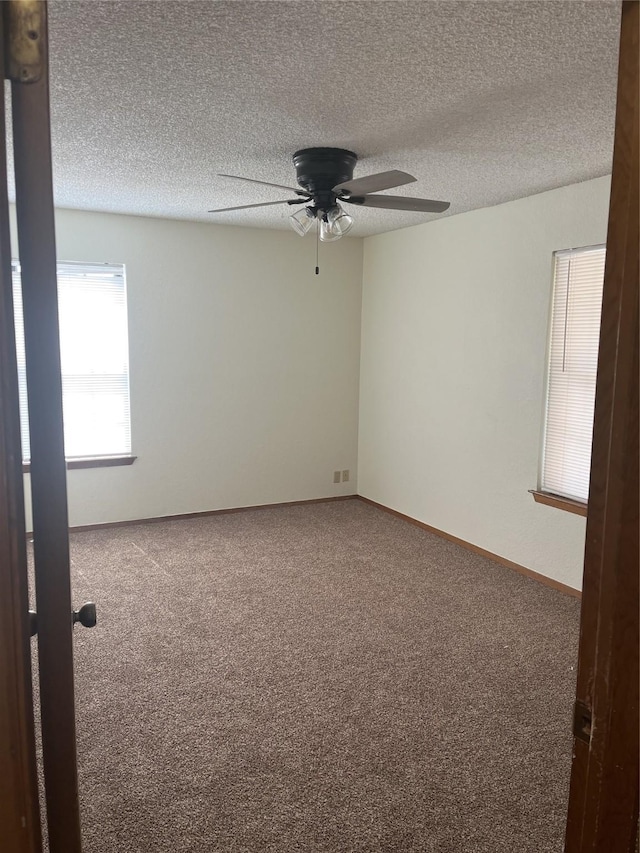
(603, 806)
(26, 48)
(19, 809)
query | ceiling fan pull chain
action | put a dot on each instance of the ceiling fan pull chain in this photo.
(317, 245)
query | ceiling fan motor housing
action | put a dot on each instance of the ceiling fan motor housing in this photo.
(319, 170)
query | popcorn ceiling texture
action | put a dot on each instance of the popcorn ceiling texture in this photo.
(483, 102)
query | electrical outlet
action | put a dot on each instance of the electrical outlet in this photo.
(336, 476)
(345, 475)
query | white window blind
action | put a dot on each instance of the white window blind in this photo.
(94, 354)
(571, 377)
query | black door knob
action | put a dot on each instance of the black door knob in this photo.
(87, 615)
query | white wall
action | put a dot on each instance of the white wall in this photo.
(454, 333)
(244, 365)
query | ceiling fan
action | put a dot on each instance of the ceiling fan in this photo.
(326, 178)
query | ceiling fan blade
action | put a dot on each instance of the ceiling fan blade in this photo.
(260, 204)
(399, 202)
(375, 183)
(264, 183)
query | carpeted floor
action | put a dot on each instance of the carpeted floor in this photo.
(317, 678)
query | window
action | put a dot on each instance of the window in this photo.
(94, 355)
(571, 376)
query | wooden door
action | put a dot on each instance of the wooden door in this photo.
(25, 47)
(603, 807)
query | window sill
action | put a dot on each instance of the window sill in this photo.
(557, 501)
(91, 462)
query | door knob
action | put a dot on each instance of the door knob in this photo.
(87, 615)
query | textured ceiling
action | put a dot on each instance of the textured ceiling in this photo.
(481, 101)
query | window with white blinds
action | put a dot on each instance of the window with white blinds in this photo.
(94, 354)
(571, 377)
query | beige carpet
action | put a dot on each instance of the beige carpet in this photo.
(318, 678)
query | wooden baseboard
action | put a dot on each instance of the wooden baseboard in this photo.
(496, 558)
(186, 515)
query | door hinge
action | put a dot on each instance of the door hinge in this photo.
(24, 31)
(582, 721)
